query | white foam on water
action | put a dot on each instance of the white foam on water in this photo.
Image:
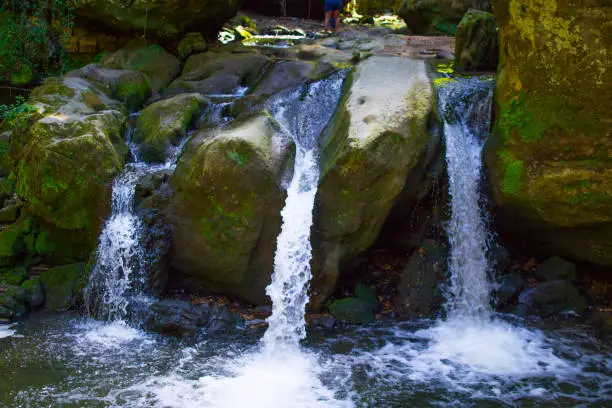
(5, 331)
(114, 334)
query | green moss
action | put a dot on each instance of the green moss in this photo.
(63, 285)
(13, 276)
(512, 173)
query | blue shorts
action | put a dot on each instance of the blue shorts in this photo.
(331, 5)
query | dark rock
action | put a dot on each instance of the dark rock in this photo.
(476, 46)
(263, 311)
(322, 321)
(221, 319)
(367, 295)
(176, 317)
(351, 310)
(551, 298)
(12, 298)
(419, 292)
(34, 292)
(508, 287)
(499, 257)
(556, 268)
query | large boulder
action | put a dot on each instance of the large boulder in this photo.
(225, 211)
(63, 286)
(165, 18)
(476, 43)
(550, 154)
(164, 123)
(64, 160)
(160, 66)
(437, 16)
(378, 138)
(218, 73)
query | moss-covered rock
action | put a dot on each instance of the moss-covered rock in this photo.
(66, 158)
(132, 88)
(160, 66)
(549, 156)
(13, 276)
(476, 42)
(165, 18)
(33, 292)
(218, 73)
(5, 168)
(437, 16)
(192, 43)
(225, 209)
(164, 123)
(63, 286)
(378, 137)
(12, 299)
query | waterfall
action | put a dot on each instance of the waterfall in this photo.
(466, 106)
(119, 275)
(303, 113)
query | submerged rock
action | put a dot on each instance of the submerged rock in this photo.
(352, 310)
(377, 139)
(420, 291)
(176, 317)
(164, 123)
(225, 211)
(476, 42)
(549, 156)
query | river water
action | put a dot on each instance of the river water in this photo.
(470, 358)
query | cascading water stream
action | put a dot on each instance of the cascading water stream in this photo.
(466, 107)
(119, 276)
(303, 115)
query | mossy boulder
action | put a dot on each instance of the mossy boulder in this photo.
(65, 160)
(377, 139)
(132, 88)
(160, 66)
(218, 73)
(12, 301)
(15, 68)
(163, 19)
(437, 16)
(34, 292)
(63, 285)
(476, 42)
(225, 211)
(549, 157)
(13, 276)
(192, 43)
(164, 123)
(5, 168)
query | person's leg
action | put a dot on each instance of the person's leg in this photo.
(336, 17)
(328, 15)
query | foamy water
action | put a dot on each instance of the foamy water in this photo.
(5, 331)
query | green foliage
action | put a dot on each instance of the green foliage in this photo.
(31, 36)
(18, 112)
